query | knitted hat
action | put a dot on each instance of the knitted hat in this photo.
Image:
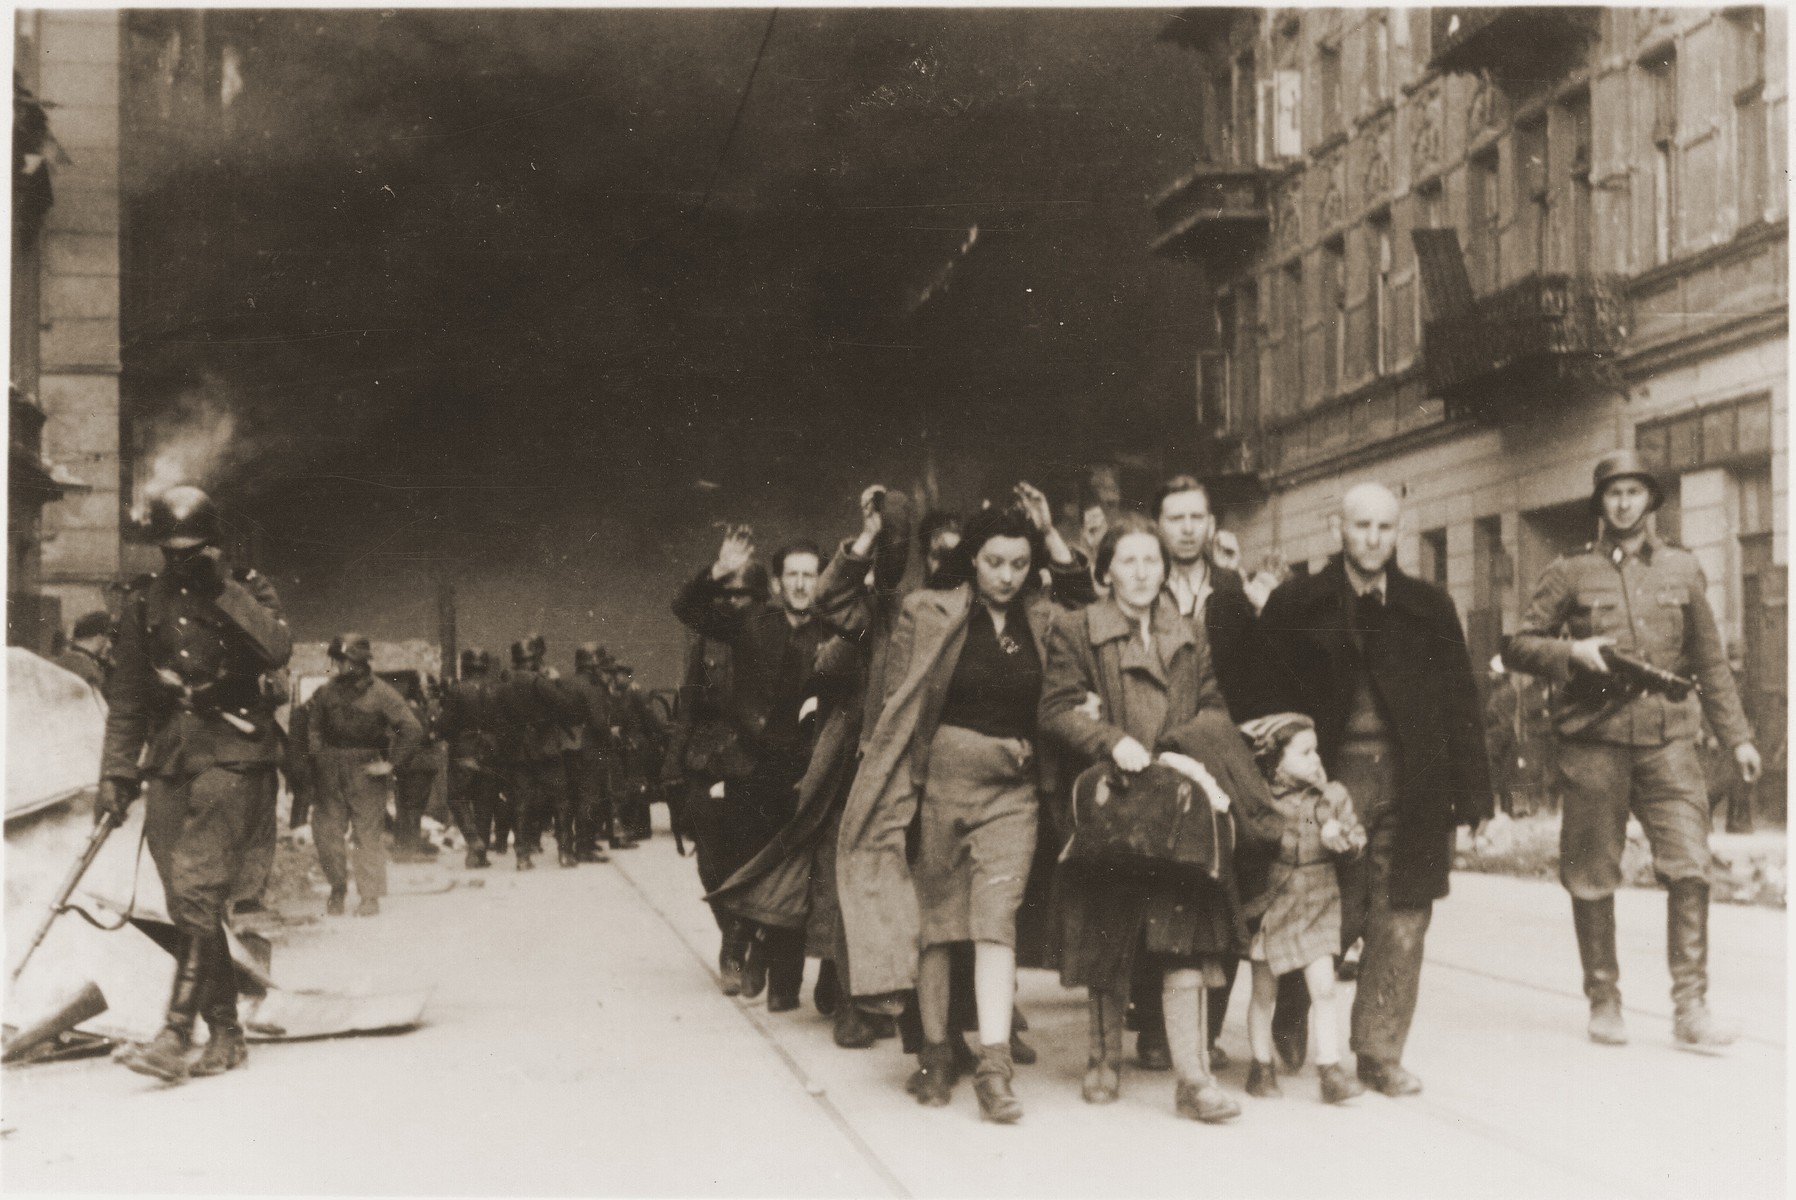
(1269, 736)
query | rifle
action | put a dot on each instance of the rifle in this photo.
(95, 840)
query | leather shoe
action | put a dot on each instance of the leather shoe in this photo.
(1151, 1051)
(1021, 1052)
(1388, 1077)
(369, 907)
(334, 906)
(1338, 1086)
(1262, 1081)
(854, 1030)
(779, 1004)
(1204, 1101)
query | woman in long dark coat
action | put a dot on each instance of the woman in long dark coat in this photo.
(1150, 671)
(954, 746)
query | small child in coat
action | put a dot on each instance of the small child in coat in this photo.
(1300, 909)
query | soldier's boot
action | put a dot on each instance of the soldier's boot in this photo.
(225, 1048)
(165, 1058)
(1594, 921)
(1687, 946)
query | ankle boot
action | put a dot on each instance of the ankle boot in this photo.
(1103, 1062)
(1198, 1096)
(1338, 1086)
(933, 1081)
(1594, 921)
(754, 963)
(1687, 947)
(729, 959)
(165, 1058)
(225, 1049)
(1262, 1081)
(854, 1030)
(991, 1083)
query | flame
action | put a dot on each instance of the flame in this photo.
(190, 444)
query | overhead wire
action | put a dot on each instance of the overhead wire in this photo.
(729, 138)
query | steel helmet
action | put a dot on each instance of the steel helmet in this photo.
(1623, 464)
(353, 647)
(530, 649)
(183, 517)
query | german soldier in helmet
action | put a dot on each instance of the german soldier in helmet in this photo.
(361, 730)
(1626, 745)
(190, 722)
(591, 759)
(538, 710)
(469, 724)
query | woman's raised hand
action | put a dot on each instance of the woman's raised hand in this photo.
(738, 547)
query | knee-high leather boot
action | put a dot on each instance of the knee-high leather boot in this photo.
(165, 1058)
(1594, 921)
(1687, 947)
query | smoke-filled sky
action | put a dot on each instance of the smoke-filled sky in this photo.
(483, 295)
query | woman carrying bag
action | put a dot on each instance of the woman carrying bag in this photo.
(1125, 678)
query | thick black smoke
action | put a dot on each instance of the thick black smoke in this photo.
(486, 303)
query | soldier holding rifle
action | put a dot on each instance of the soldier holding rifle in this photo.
(1625, 629)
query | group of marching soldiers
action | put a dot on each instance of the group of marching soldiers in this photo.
(527, 747)
(527, 750)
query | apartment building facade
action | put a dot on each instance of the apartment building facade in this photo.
(1465, 252)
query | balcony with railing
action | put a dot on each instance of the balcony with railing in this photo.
(1218, 213)
(1537, 342)
(1536, 41)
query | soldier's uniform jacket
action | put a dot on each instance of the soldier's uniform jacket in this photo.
(536, 712)
(598, 713)
(365, 713)
(469, 723)
(1655, 605)
(182, 659)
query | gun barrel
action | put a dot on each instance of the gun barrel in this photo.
(91, 851)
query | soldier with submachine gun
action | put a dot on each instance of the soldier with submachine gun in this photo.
(1624, 628)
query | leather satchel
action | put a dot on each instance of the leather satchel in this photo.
(1156, 820)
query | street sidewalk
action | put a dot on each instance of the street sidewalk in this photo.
(576, 1045)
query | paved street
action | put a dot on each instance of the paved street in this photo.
(576, 1044)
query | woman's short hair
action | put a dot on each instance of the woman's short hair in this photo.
(1125, 525)
(991, 521)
